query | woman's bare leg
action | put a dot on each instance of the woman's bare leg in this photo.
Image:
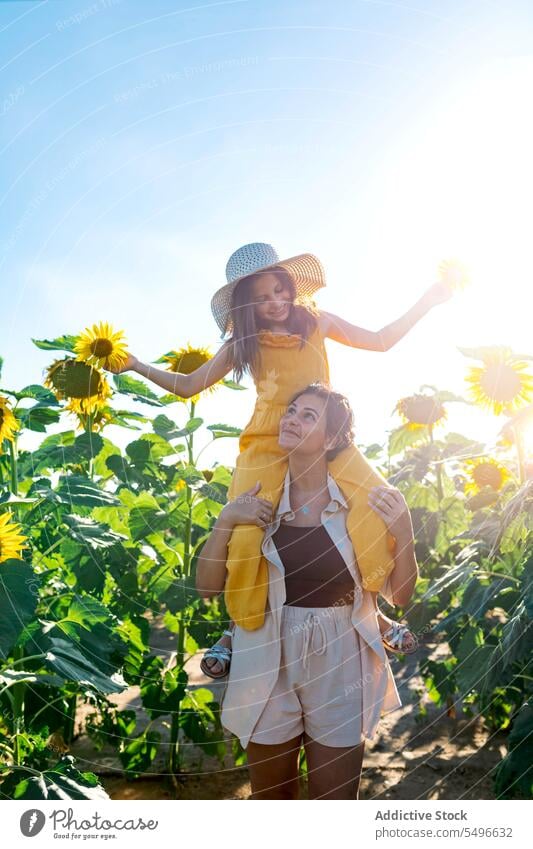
(333, 772)
(274, 769)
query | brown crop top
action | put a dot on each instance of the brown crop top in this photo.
(316, 574)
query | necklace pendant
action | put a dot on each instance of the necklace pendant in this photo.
(305, 509)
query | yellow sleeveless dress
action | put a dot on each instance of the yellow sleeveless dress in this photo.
(285, 368)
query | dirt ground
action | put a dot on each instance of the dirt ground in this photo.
(437, 758)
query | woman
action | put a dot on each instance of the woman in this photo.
(316, 671)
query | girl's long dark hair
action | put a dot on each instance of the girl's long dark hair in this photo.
(245, 353)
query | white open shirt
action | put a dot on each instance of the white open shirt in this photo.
(256, 654)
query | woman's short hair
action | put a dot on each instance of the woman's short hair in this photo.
(339, 415)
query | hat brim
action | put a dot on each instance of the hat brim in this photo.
(306, 271)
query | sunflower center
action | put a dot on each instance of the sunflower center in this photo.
(487, 474)
(501, 382)
(101, 347)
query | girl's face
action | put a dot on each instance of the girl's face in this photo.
(302, 428)
(272, 299)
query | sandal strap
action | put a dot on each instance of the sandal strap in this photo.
(219, 652)
(397, 633)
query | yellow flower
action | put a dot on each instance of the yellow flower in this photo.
(454, 274)
(502, 383)
(186, 360)
(98, 414)
(11, 540)
(70, 378)
(100, 345)
(485, 474)
(420, 411)
(8, 422)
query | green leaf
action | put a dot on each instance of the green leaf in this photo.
(60, 343)
(422, 495)
(144, 521)
(68, 661)
(214, 492)
(221, 430)
(136, 388)
(515, 772)
(161, 690)
(39, 393)
(8, 677)
(139, 753)
(180, 594)
(404, 437)
(100, 467)
(121, 418)
(63, 781)
(81, 490)
(60, 449)
(192, 425)
(38, 418)
(472, 660)
(165, 427)
(19, 587)
(84, 530)
(149, 448)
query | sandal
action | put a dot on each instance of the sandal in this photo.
(396, 633)
(220, 653)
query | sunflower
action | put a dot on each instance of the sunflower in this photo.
(502, 384)
(11, 540)
(485, 474)
(101, 346)
(185, 361)
(454, 274)
(8, 422)
(99, 415)
(420, 411)
(72, 379)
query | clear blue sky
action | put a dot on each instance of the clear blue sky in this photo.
(143, 142)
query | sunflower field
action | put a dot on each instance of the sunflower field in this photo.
(98, 548)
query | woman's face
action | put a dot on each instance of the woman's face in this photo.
(302, 428)
(271, 297)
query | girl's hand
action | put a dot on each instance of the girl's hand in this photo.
(389, 503)
(131, 362)
(246, 509)
(439, 293)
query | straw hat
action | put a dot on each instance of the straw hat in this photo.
(305, 269)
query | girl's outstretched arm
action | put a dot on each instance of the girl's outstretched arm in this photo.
(382, 340)
(184, 385)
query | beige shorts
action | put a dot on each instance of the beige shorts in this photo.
(318, 689)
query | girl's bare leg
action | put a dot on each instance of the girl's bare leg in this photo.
(274, 769)
(333, 772)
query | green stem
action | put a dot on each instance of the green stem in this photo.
(175, 753)
(520, 454)
(70, 719)
(440, 489)
(19, 691)
(14, 471)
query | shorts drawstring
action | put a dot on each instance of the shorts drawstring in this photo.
(311, 620)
